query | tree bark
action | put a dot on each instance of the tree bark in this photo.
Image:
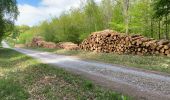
(159, 27)
(166, 27)
(126, 11)
(152, 28)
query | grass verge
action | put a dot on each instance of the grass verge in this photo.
(23, 78)
(154, 63)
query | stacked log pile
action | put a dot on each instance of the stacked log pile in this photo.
(109, 41)
(49, 45)
(39, 42)
(36, 42)
(67, 46)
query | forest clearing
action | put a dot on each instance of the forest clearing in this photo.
(85, 50)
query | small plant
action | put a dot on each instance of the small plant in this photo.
(88, 85)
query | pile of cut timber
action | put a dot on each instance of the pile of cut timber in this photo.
(39, 42)
(67, 46)
(110, 41)
(49, 45)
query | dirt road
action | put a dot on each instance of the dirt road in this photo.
(142, 85)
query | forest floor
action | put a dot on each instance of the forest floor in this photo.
(24, 78)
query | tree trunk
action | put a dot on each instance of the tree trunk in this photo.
(166, 27)
(159, 27)
(152, 28)
(126, 11)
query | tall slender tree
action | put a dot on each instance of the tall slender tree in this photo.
(107, 9)
(162, 11)
(126, 15)
(93, 16)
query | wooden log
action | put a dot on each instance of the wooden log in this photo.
(163, 42)
(108, 41)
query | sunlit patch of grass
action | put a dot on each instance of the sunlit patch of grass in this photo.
(24, 78)
(11, 90)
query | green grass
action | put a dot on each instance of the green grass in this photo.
(154, 63)
(23, 78)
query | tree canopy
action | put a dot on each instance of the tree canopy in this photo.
(8, 14)
(162, 8)
(145, 17)
(162, 12)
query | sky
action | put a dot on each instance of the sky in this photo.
(34, 11)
